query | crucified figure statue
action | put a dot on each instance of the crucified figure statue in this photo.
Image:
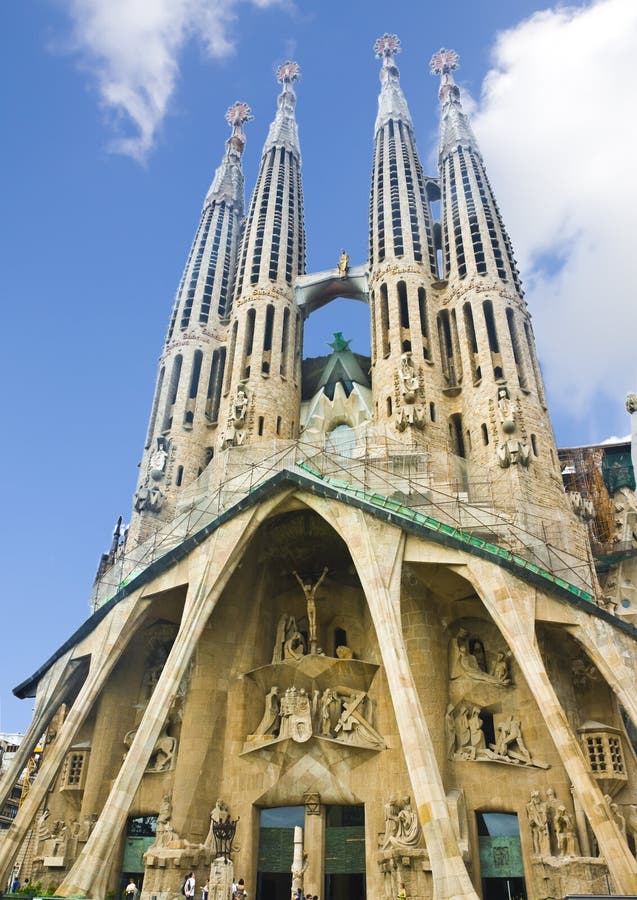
(310, 599)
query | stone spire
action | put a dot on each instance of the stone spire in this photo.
(283, 130)
(227, 184)
(391, 100)
(262, 384)
(474, 239)
(455, 128)
(179, 442)
(400, 220)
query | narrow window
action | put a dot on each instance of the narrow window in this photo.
(455, 435)
(372, 307)
(472, 343)
(490, 323)
(285, 339)
(180, 476)
(432, 412)
(384, 321)
(340, 638)
(534, 363)
(424, 324)
(403, 305)
(517, 351)
(485, 434)
(153, 415)
(233, 344)
(248, 343)
(172, 393)
(215, 381)
(195, 374)
(278, 424)
(467, 440)
(260, 425)
(267, 338)
(534, 444)
(389, 407)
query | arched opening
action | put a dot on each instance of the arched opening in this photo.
(349, 317)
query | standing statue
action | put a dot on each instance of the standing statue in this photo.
(537, 815)
(285, 628)
(564, 832)
(310, 599)
(235, 434)
(402, 827)
(343, 264)
(505, 410)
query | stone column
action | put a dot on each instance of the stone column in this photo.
(580, 824)
(314, 844)
(378, 560)
(209, 571)
(504, 596)
(46, 707)
(103, 660)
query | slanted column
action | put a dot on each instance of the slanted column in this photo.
(510, 604)
(59, 680)
(103, 661)
(89, 875)
(378, 561)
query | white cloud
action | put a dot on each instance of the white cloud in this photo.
(132, 49)
(557, 126)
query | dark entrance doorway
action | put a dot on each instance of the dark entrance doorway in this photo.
(501, 865)
(140, 834)
(345, 853)
(345, 887)
(276, 848)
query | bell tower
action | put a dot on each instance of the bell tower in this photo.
(180, 438)
(263, 373)
(402, 261)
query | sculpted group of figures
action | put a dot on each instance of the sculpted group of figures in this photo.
(464, 722)
(551, 826)
(339, 714)
(167, 838)
(466, 739)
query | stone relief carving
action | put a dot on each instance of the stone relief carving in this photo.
(552, 826)
(469, 659)
(163, 756)
(511, 450)
(236, 430)
(466, 740)
(158, 459)
(402, 828)
(310, 591)
(631, 403)
(341, 715)
(409, 410)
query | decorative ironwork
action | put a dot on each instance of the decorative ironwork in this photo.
(387, 45)
(224, 833)
(443, 62)
(288, 72)
(238, 113)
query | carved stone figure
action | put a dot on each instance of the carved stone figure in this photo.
(285, 628)
(408, 412)
(631, 403)
(235, 434)
(538, 820)
(477, 740)
(450, 730)
(564, 832)
(269, 723)
(330, 708)
(309, 591)
(512, 452)
(157, 463)
(343, 263)
(402, 827)
(469, 666)
(294, 647)
(353, 726)
(296, 715)
(509, 735)
(505, 410)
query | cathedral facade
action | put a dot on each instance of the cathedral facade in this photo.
(354, 641)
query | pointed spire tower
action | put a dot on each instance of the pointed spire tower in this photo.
(402, 258)
(185, 409)
(492, 386)
(262, 384)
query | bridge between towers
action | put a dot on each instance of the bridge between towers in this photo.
(318, 288)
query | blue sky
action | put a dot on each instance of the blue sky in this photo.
(113, 128)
